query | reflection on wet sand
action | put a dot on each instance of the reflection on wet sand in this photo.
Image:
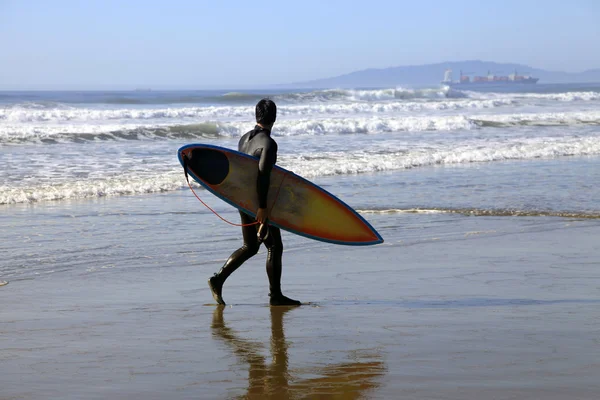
(350, 380)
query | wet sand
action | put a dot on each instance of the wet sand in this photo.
(480, 308)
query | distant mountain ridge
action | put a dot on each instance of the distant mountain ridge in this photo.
(430, 74)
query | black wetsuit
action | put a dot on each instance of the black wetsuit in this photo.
(258, 143)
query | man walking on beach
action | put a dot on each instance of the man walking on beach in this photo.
(258, 143)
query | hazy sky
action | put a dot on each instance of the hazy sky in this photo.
(221, 43)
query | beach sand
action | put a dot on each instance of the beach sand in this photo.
(471, 308)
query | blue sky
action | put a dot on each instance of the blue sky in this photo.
(202, 44)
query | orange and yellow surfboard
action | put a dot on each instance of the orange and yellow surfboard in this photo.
(296, 204)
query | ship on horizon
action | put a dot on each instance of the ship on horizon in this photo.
(489, 80)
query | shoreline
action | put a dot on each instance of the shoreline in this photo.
(462, 308)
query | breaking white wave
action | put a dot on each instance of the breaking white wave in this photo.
(80, 133)
(59, 183)
(127, 184)
(343, 163)
(368, 124)
(565, 97)
(85, 132)
(437, 93)
(540, 119)
(64, 146)
(340, 94)
(557, 97)
(485, 212)
(17, 115)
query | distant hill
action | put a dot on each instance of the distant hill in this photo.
(431, 74)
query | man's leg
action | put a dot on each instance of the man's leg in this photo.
(241, 255)
(274, 267)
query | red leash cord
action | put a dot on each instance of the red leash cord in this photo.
(217, 214)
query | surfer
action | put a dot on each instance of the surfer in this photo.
(258, 143)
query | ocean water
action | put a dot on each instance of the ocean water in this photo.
(389, 153)
(486, 285)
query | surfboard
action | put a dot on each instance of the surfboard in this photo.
(295, 204)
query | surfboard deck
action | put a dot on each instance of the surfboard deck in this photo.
(296, 204)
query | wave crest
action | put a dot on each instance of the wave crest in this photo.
(486, 212)
(19, 134)
(120, 186)
(69, 186)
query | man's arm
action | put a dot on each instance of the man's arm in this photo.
(267, 160)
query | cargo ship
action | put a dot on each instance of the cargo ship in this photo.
(489, 80)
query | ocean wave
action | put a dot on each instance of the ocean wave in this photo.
(443, 92)
(409, 102)
(146, 179)
(352, 163)
(398, 93)
(539, 119)
(22, 114)
(36, 133)
(401, 93)
(177, 99)
(247, 99)
(19, 134)
(327, 95)
(35, 105)
(55, 115)
(127, 184)
(565, 97)
(583, 96)
(486, 212)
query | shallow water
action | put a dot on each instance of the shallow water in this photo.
(449, 307)
(486, 285)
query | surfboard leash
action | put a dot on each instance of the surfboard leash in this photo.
(216, 213)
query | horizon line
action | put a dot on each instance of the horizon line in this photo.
(265, 86)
